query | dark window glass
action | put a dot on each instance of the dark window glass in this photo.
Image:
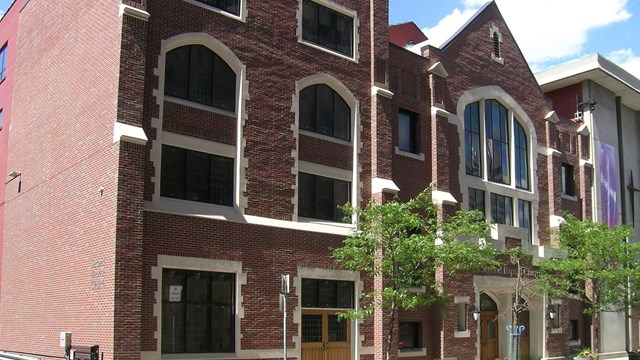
(574, 330)
(326, 27)
(311, 328)
(196, 176)
(497, 131)
(319, 197)
(473, 162)
(3, 62)
(198, 313)
(408, 131)
(524, 214)
(476, 200)
(0, 119)
(230, 6)
(327, 294)
(197, 74)
(324, 111)
(522, 156)
(502, 209)
(496, 45)
(567, 180)
(409, 335)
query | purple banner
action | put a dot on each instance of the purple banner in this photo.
(608, 184)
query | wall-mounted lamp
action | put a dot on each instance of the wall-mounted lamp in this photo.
(13, 175)
(552, 313)
(476, 314)
(588, 103)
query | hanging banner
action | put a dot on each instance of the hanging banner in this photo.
(608, 181)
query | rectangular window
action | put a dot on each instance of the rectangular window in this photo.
(408, 131)
(473, 162)
(0, 119)
(320, 197)
(410, 335)
(332, 294)
(555, 322)
(230, 6)
(497, 131)
(196, 176)
(198, 312)
(567, 180)
(502, 209)
(574, 330)
(476, 200)
(3, 62)
(462, 315)
(524, 214)
(327, 27)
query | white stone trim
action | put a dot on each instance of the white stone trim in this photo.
(379, 185)
(243, 9)
(418, 156)
(136, 13)
(403, 353)
(375, 90)
(188, 263)
(323, 170)
(129, 133)
(341, 9)
(492, 30)
(442, 197)
(197, 144)
(547, 151)
(438, 69)
(552, 117)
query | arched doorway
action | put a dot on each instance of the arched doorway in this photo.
(488, 328)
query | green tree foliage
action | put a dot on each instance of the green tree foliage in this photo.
(405, 243)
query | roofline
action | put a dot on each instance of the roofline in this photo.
(464, 26)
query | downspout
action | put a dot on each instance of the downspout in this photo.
(623, 204)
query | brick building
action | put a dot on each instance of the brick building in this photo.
(177, 156)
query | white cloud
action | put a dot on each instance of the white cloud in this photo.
(626, 59)
(545, 30)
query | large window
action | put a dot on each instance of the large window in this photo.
(497, 121)
(197, 74)
(410, 336)
(408, 131)
(327, 27)
(330, 294)
(320, 197)
(196, 176)
(198, 312)
(502, 209)
(230, 6)
(3, 62)
(324, 111)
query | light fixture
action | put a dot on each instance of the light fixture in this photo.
(13, 175)
(476, 314)
(587, 104)
(552, 313)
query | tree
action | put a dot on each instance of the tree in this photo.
(406, 243)
(600, 268)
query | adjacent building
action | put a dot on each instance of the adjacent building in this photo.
(169, 160)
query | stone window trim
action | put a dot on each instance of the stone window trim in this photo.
(516, 113)
(496, 46)
(340, 9)
(187, 142)
(201, 264)
(352, 175)
(240, 17)
(462, 311)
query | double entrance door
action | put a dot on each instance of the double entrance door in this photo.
(325, 336)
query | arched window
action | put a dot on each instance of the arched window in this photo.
(522, 155)
(195, 73)
(324, 111)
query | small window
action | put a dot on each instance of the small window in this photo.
(408, 131)
(198, 312)
(332, 294)
(196, 176)
(230, 6)
(410, 335)
(462, 315)
(524, 214)
(476, 200)
(555, 322)
(502, 209)
(327, 28)
(0, 119)
(574, 330)
(320, 197)
(496, 45)
(3, 62)
(521, 161)
(197, 74)
(324, 111)
(567, 180)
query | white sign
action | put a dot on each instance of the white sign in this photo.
(175, 293)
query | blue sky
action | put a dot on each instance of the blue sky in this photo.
(549, 32)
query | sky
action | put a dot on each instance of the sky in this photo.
(549, 32)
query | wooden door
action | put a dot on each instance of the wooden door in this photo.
(488, 335)
(325, 336)
(523, 319)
